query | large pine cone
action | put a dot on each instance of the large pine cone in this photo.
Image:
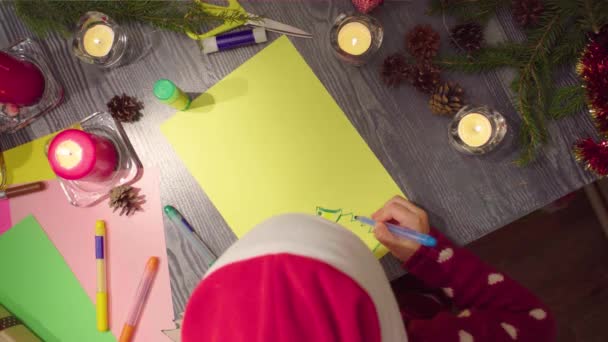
(468, 37)
(425, 77)
(446, 99)
(125, 108)
(422, 42)
(527, 13)
(395, 70)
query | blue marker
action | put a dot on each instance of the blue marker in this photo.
(423, 239)
(189, 232)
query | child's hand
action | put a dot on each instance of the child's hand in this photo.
(401, 212)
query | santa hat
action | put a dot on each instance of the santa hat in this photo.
(294, 278)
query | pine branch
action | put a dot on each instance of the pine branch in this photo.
(558, 40)
(489, 58)
(467, 10)
(592, 16)
(531, 87)
(532, 133)
(45, 16)
(569, 47)
(567, 101)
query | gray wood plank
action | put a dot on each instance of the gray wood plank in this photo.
(467, 197)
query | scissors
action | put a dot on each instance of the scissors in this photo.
(239, 11)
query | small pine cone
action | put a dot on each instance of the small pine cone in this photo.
(125, 108)
(527, 13)
(125, 198)
(468, 37)
(446, 99)
(395, 70)
(425, 77)
(422, 42)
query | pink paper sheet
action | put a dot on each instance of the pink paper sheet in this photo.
(130, 242)
(5, 216)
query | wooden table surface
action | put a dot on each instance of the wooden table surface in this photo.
(466, 197)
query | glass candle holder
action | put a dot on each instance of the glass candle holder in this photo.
(28, 88)
(477, 129)
(355, 38)
(99, 40)
(88, 191)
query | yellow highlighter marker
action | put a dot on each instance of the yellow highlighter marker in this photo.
(102, 292)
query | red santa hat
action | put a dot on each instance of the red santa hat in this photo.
(294, 278)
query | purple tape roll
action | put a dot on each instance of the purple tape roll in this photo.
(234, 39)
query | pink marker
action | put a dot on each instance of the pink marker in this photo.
(128, 330)
(79, 155)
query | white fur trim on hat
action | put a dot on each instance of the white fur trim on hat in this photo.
(320, 239)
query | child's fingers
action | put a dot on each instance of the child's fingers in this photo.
(401, 249)
(398, 213)
(384, 236)
(409, 205)
(379, 212)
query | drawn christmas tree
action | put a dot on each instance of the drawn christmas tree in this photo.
(347, 219)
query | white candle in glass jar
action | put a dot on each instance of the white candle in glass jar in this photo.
(98, 40)
(354, 38)
(475, 129)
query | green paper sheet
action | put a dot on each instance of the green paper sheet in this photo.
(38, 287)
(269, 139)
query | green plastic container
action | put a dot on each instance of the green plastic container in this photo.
(167, 92)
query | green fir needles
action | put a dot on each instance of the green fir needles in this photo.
(555, 40)
(44, 16)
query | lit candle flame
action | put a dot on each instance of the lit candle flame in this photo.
(64, 152)
(477, 129)
(355, 41)
(97, 41)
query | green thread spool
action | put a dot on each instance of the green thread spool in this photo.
(167, 92)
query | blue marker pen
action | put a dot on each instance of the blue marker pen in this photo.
(189, 233)
(234, 39)
(407, 233)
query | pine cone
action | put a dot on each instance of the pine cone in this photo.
(467, 37)
(125, 108)
(425, 77)
(125, 198)
(395, 70)
(527, 12)
(446, 99)
(422, 42)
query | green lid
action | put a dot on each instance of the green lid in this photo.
(164, 89)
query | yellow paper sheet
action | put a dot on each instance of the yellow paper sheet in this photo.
(28, 163)
(269, 139)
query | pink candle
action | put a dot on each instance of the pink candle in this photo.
(21, 82)
(78, 155)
